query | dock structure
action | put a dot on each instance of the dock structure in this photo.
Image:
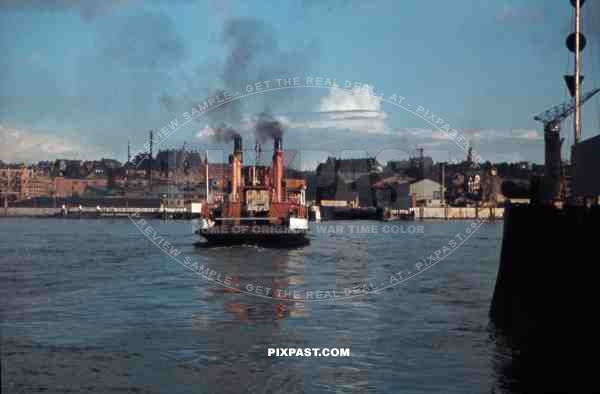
(457, 213)
(83, 212)
(118, 208)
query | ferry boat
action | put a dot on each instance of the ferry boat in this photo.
(261, 208)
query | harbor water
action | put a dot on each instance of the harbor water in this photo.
(96, 306)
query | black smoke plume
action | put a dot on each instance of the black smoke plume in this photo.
(224, 133)
(251, 46)
(267, 127)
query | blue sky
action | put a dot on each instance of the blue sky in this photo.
(78, 79)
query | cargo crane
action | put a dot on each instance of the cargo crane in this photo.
(552, 119)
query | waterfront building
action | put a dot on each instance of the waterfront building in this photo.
(24, 182)
(426, 192)
(70, 187)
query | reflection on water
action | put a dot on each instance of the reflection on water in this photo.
(94, 306)
(279, 277)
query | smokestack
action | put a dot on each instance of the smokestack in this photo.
(234, 182)
(277, 143)
(236, 167)
(239, 159)
(278, 167)
(237, 143)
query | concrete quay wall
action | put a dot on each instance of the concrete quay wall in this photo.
(449, 213)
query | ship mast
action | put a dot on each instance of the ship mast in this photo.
(256, 159)
(553, 117)
(579, 44)
(206, 177)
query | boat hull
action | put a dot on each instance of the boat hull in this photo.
(263, 235)
(546, 298)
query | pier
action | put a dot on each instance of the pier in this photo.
(99, 208)
(457, 213)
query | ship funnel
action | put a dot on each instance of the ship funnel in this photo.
(237, 143)
(277, 144)
(236, 168)
(278, 168)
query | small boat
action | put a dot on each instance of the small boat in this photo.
(261, 208)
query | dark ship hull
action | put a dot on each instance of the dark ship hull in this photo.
(546, 295)
(549, 259)
(260, 235)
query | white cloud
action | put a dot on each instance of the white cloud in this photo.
(472, 134)
(439, 135)
(342, 100)
(496, 134)
(420, 133)
(18, 145)
(205, 132)
(527, 134)
(355, 110)
(480, 135)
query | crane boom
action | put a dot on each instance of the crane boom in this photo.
(560, 112)
(552, 118)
